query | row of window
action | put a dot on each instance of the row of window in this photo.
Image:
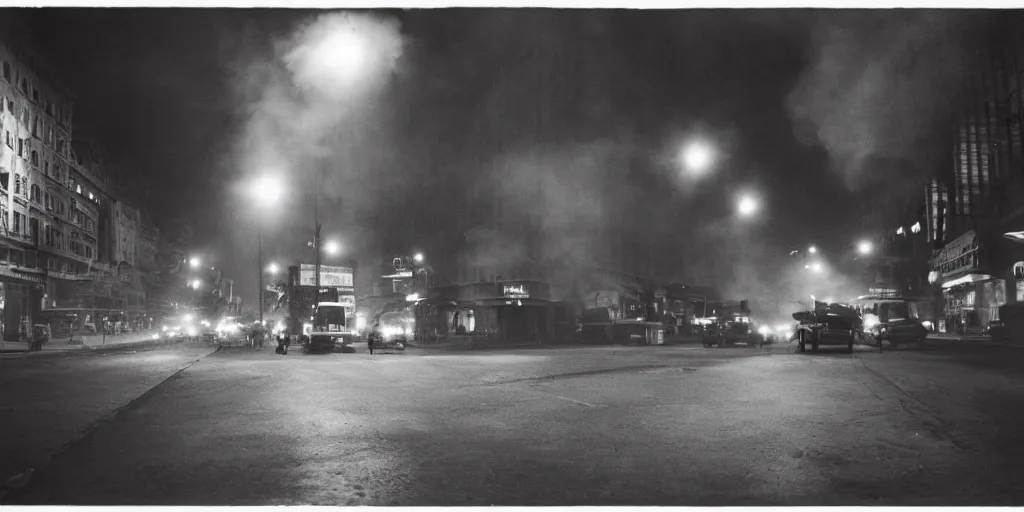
(26, 150)
(32, 260)
(52, 235)
(22, 82)
(41, 128)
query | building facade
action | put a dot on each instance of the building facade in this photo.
(58, 218)
(975, 207)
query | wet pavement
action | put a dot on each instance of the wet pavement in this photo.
(680, 425)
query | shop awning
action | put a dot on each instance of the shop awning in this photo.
(8, 272)
(967, 279)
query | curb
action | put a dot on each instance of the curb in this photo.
(967, 343)
(87, 350)
(23, 481)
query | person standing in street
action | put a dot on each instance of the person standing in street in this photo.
(259, 334)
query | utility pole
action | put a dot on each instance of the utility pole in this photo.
(316, 236)
(259, 270)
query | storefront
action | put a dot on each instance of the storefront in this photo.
(502, 310)
(21, 299)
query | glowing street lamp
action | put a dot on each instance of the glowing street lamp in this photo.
(266, 191)
(812, 249)
(332, 248)
(864, 247)
(697, 156)
(273, 268)
(747, 205)
(418, 257)
(194, 262)
(197, 284)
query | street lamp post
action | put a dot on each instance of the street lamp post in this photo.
(268, 190)
(316, 222)
(259, 265)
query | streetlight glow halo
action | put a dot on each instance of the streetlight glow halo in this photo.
(697, 156)
(747, 205)
(332, 247)
(268, 189)
(865, 247)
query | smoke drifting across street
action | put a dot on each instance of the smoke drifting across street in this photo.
(423, 119)
(315, 117)
(880, 88)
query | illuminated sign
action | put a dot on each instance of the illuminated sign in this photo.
(516, 291)
(329, 276)
(959, 256)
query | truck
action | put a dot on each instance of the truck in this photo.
(319, 318)
(330, 330)
(828, 324)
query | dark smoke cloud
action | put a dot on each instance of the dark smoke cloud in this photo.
(316, 117)
(880, 89)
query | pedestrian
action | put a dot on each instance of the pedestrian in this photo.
(283, 340)
(260, 335)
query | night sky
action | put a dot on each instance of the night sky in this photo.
(802, 104)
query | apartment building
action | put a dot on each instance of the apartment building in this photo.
(975, 207)
(63, 260)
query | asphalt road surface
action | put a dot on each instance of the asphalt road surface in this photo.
(569, 426)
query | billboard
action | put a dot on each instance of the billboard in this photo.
(329, 276)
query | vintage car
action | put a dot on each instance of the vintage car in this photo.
(831, 325)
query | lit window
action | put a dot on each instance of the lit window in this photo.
(899, 231)
(916, 228)
(78, 188)
(90, 196)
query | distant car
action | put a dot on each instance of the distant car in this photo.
(176, 332)
(903, 330)
(388, 338)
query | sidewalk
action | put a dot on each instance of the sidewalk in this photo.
(88, 342)
(967, 341)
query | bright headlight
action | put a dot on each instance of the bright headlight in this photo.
(164, 328)
(870, 321)
(764, 330)
(927, 324)
(190, 331)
